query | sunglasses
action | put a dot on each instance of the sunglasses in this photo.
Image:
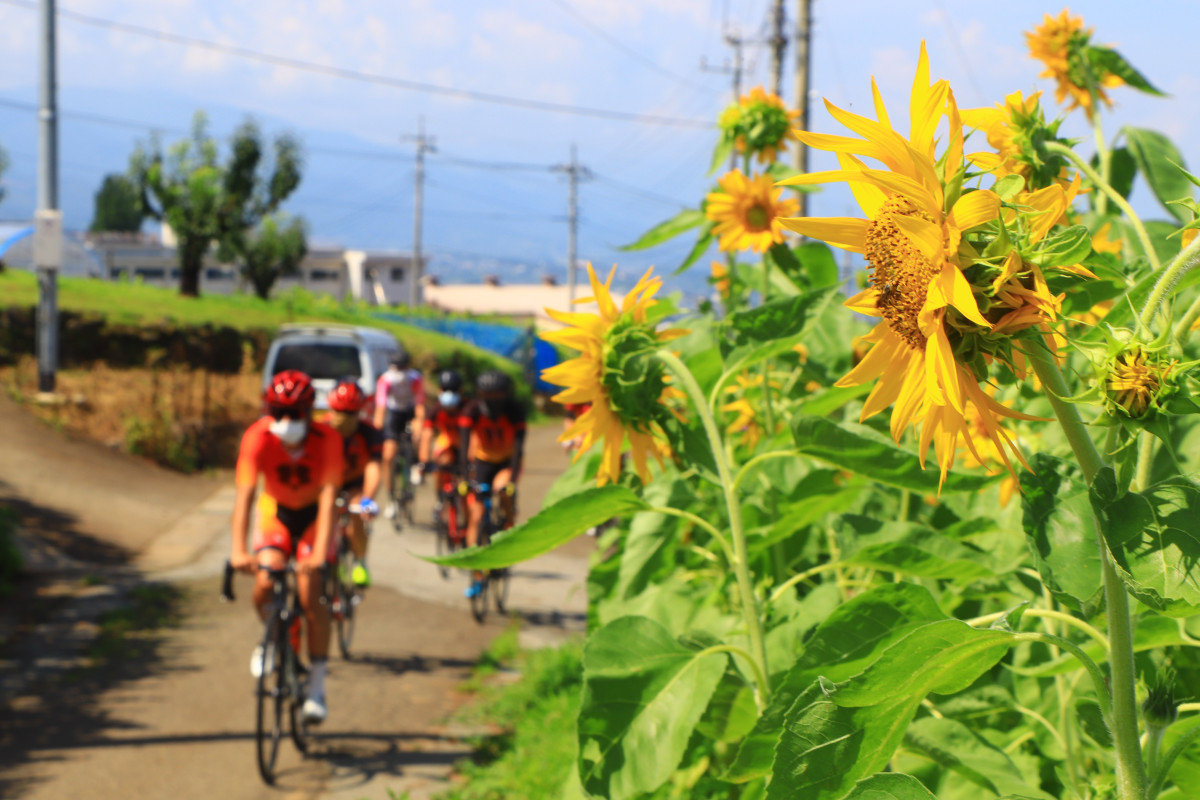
(286, 413)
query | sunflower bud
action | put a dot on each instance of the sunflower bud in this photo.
(759, 125)
(1160, 707)
(1137, 380)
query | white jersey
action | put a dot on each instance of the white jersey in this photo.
(400, 390)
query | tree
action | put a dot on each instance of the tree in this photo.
(206, 202)
(118, 206)
(273, 252)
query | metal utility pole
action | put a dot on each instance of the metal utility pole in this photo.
(778, 42)
(425, 144)
(803, 36)
(47, 241)
(575, 173)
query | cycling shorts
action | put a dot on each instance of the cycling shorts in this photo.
(291, 531)
(485, 472)
(353, 487)
(395, 421)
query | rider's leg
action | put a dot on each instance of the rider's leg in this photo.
(386, 464)
(356, 530)
(503, 479)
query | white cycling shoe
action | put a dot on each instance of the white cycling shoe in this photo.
(314, 710)
(390, 511)
(256, 661)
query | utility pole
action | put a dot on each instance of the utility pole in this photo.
(47, 240)
(803, 37)
(575, 173)
(425, 144)
(778, 42)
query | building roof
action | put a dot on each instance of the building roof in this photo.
(517, 300)
(16, 250)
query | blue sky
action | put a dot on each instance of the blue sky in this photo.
(491, 191)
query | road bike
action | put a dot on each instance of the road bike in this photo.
(449, 514)
(282, 678)
(495, 582)
(341, 592)
(400, 491)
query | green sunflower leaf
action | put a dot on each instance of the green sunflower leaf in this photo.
(1157, 158)
(552, 526)
(890, 786)
(698, 249)
(683, 221)
(873, 455)
(643, 694)
(1112, 62)
(763, 332)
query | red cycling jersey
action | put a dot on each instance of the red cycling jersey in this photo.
(444, 422)
(493, 438)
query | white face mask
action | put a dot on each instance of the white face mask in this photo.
(448, 399)
(290, 431)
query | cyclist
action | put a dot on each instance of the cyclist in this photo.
(361, 452)
(399, 402)
(300, 462)
(494, 428)
(439, 434)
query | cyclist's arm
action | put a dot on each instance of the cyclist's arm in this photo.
(242, 504)
(370, 480)
(325, 507)
(425, 449)
(381, 395)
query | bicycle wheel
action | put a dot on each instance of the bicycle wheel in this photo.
(499, 580)
(271, 697)
(296, 693)
(344, 601)
(479, 603)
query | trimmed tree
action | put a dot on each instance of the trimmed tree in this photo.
(207, 202)
(274, 251)
(118, 206)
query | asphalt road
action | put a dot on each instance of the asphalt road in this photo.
(176, 720)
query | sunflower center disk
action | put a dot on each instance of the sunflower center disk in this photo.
(900, 272)
(757, 218)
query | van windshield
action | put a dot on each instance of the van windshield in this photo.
(320, 361)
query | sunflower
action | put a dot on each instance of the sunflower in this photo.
(759, 124)
(720, 279)
(1017, 131)
(1061, 43)
(748, 212)
(746, 422)
(914, 239)
(628, 391)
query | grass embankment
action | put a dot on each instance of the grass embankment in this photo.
(535, 749)
(137, 304)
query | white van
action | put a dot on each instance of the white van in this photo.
(328, 352)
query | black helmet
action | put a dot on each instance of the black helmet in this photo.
(400, 359)
(449, 380)
(493, 381)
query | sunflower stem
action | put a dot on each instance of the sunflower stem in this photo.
(777, 552)
(1188, 258)
(1184, 326)
(1145, 461)
(1131, 771)
(1103, 154)
(740, 562)
(1121, 203)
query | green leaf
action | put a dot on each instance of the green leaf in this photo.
(1154, 537)
(643, 694)
(1066, 247)
(578, 477)
(911, 550)
(1110, 61)
(1154, 154)
(953, 746)
(1122, 169)
(836, 734)
(829, 400)
(698, 249)
(1009, 187)
(819, 263)
(845, 644)
(890, 786)
(721, 153)
(668, 229)
(648, 533)
(1061, 529)
(875, 456)
(732, 712)
(751, 275)
(552, 526)
(770, 329)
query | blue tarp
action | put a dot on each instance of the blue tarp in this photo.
(518, 344)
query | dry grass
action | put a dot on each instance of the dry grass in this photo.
(182, 418)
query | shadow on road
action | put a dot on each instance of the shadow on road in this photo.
(47, 529)
(414, 662)
(63, 713)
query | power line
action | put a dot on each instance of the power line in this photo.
(660, 198)
(367, 77)
(624, 48)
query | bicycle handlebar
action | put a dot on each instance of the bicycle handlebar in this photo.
(227, 577)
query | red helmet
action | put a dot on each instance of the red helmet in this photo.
(290, 389)
(347, 397)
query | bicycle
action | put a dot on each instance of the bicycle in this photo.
(449, 514)
(400, 491)
(495, 581)
(281, 683)
(342, 593)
